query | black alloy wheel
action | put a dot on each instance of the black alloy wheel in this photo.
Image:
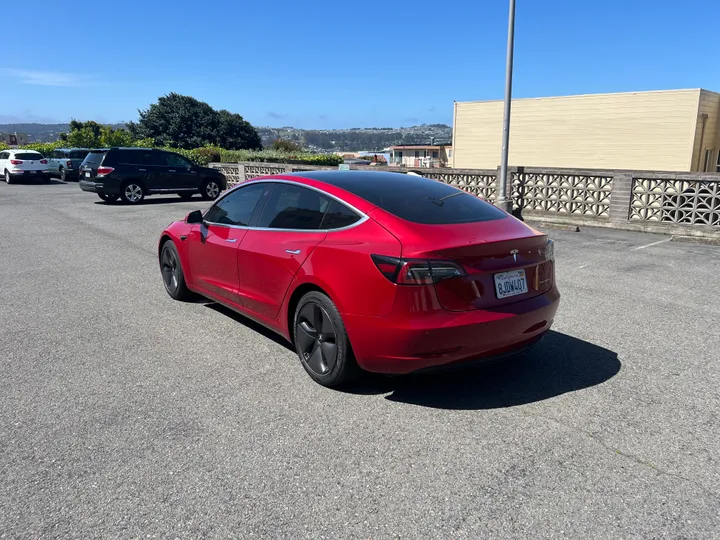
(321, 341)
(317, 339)
(172, 274)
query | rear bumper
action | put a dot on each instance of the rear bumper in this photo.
(407, 341)
(98, 187)
(30, 174)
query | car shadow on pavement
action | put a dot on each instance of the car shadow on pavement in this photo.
(201, 203)
(557, 365)
(252, 325)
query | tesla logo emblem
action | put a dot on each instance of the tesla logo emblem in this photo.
(514, 253)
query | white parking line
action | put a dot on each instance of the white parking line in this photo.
(653, 244)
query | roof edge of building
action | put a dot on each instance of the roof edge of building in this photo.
(570, 96)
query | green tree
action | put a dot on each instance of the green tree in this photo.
(115, 137)
(90, 131)
(286, 145)
(185, 122)
(82, 138)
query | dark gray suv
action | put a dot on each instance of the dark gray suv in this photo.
(130, 174)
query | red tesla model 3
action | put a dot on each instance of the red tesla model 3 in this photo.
(385, 272)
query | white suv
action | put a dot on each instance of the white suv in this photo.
(25, 164)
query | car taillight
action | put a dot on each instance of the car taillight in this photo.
(102, 171)
(43, 161)
(16, 161)
(69, 164)
(416, 271)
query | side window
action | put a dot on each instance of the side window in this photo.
(139, 157)
(236, 207)
(293, 207)
(55, 154)
(174, 160)
(338, 216)
(3, 155)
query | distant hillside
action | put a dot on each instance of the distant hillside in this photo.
(42, 132)
(331, 140)
(356, 139)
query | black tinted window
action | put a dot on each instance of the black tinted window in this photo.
(77, 154)
(93, 159)
(338, 216)
(30, 156)
(413, 198)
(174, 160)
(292, 207)
(138, 157)
(236, 207)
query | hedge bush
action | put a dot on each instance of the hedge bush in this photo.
(203, 156)
(277, 156)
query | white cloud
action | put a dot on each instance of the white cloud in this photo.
(44, 78)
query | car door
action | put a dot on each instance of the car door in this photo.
(181, 175)
(213, 245)
(53, 161)
(273, 251)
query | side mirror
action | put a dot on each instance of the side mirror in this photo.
(194, 217)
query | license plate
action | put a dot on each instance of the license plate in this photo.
(510, 283)
(87, 175)
(32, 172)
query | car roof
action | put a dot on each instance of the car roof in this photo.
(352, 180)
(73, 148)
(131, 148)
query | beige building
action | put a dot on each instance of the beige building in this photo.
(674, 130)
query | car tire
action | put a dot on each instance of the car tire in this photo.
(210, 190)
(185, 196)
(321, 342)
(172, 272)
(63, 174)
(132, 192)
(8, 178)
(108, 198)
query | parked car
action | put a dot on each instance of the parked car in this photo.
(23, 164)
(65, 162)
(387, 272)
(130, 174)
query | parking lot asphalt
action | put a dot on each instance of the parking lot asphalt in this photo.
(125, 414)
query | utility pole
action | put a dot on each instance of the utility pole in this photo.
(502, 200)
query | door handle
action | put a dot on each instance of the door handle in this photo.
(172, 170)
(231, 239)
(142, 170)
(293, 251)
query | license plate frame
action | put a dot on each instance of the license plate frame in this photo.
(510, 283)
(87, 174)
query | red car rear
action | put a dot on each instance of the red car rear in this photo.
(386, 272)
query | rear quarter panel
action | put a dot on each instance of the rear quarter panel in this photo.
(341, 266)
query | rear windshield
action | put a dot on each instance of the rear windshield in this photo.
(420, 200)
(78, 154)
(94, 158)
(28, 155)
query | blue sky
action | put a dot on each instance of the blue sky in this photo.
(322, 64)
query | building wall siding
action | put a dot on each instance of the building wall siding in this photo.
(641, 130)
(709, 103)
